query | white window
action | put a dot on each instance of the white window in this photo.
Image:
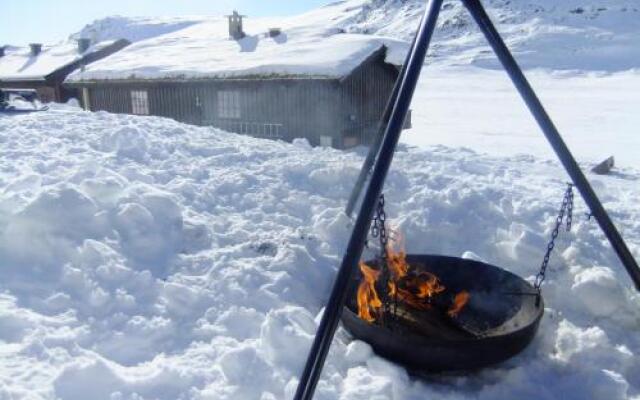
(229, 104)
(326, 141)
(86, 99)
(139, 102)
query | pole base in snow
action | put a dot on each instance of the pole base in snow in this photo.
(604, 167)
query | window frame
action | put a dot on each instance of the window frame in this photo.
(326, 141)
(229, 106)
(139, 102)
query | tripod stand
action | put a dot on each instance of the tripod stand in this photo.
(378, 163)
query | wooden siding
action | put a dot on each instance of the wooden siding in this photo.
(364, 97)
(275, 108)
(112, 99)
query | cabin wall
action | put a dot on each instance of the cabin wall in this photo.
(279, 108)
(364, 96)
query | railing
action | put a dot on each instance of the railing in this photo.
(257, 129)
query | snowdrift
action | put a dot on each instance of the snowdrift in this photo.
(141, 258)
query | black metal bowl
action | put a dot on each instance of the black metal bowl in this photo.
(503, 312)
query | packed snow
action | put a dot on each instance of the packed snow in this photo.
(141, 258)
(478, 108)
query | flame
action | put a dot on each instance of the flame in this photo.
(397, 259)
(459, 302)
(416, 289)
(368, 301)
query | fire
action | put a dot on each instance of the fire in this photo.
(416, 289)
(368, 301)
(459, 302)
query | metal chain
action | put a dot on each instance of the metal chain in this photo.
(378, 228)
(565, 209)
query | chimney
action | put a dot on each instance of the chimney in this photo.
(36, 48)
(273, 32)
(235, 25)
(83, 45)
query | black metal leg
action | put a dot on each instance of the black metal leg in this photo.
(375, 145)
(333, 310)
(553, 136)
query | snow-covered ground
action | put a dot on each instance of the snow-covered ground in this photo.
(480, 109)
(141, 258)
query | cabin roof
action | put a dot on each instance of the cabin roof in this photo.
(309, 46)
(19, 65)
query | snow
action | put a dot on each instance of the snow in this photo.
(141, 258)
(481, 109)
(19, 64)
(308, 46)
(596, 35)
(134, 29)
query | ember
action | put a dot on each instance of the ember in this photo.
(416, 289)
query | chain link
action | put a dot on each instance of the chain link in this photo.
(378, 228)
(379, 231)
(565, 209)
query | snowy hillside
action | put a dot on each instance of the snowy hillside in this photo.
(573, 34)
(145, 259)
(134, 29)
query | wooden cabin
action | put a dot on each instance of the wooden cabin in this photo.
(45, 68)
(334, 98)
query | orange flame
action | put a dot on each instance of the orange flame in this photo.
(397, 259)
(368, 301)
(414, 289)
(459, 302)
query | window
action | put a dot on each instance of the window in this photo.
(349, 141)
(326, 141)
(228, 104)
(86, 99)
(139, 102)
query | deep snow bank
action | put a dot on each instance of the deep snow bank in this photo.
(145, 259)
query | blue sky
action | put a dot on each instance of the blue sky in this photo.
(25, 21)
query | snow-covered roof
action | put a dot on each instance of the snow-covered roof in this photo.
(311, 44)
(19, 65)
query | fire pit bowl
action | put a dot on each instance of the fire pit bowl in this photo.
(502, 315)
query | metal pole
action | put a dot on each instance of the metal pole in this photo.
(375, 145)
(333, 310)
(553, 136)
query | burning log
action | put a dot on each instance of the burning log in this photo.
(398, 293)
